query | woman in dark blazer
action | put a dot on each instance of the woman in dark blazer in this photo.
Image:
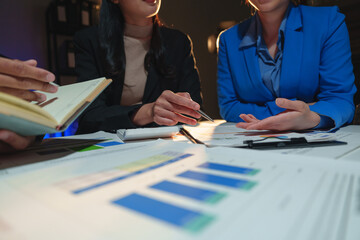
(155, 79)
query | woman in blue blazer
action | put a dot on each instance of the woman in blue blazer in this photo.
(287, 67)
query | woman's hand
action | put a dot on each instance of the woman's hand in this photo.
(19, 77)
(168, 110)
(297, 116)
(10, 141)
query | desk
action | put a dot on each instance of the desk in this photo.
(109, 190)
(214, 133)
(351, 151)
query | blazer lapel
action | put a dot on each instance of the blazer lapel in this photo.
(291, 62)
(252, 65)
(151, 85)
(253, 69)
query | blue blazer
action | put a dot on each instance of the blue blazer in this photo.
(316, 67)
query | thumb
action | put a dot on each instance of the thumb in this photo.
(291, 105)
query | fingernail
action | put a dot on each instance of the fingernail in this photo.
(50, 77)
(52, 88)
(41, 98)
(196, 106)
(280, 101)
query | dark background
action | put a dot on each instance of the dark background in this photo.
(23, 32)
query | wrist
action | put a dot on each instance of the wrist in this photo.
(144, 115)
(315, 119)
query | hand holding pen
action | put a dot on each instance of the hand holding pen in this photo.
(180, 106)
(170, 109)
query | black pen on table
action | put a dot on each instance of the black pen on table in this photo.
(187, 134)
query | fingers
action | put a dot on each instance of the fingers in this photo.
(25, 83)
(180, 100)
(252, 116)
(271, 123)
(299, 106)
(297, 116)
(291, 120)
(10, 141)
(178, 104)
(164, 121)
(173, 113)
(243, 125)
(277, 123)
(25, 70)
(24, 94)
(274, 123)
(169, 118)
(184, 94)
(169, 109)
(180, 109)
(31, 62)
(17, 77)
(248, 118)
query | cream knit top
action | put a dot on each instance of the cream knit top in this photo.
(137, 44)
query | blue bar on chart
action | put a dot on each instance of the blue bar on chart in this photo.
(219, 180)
(229, 168)
(189, 220)
(171, 159)
(196, 193)
(109, 144)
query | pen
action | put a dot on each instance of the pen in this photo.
(204, 115)
(293, 143)
(186, 133)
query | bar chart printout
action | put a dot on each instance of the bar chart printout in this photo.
(219, 180)
(194, 193)
(136, 168)
(190, 220)
(184, 218)
(229, 168)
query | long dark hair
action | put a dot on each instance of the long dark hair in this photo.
(111, 38)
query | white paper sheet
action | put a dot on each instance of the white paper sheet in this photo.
(221, 133)
(282, 197)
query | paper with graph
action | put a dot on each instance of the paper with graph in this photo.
(170, 190)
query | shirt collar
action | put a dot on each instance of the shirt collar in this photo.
(250, 37)
(253, 36)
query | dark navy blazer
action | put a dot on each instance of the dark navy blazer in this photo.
(106, 113)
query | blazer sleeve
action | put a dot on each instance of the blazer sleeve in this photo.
(101, 114)
(229, 102)
(337, 88)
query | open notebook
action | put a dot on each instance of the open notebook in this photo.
(55, 114)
